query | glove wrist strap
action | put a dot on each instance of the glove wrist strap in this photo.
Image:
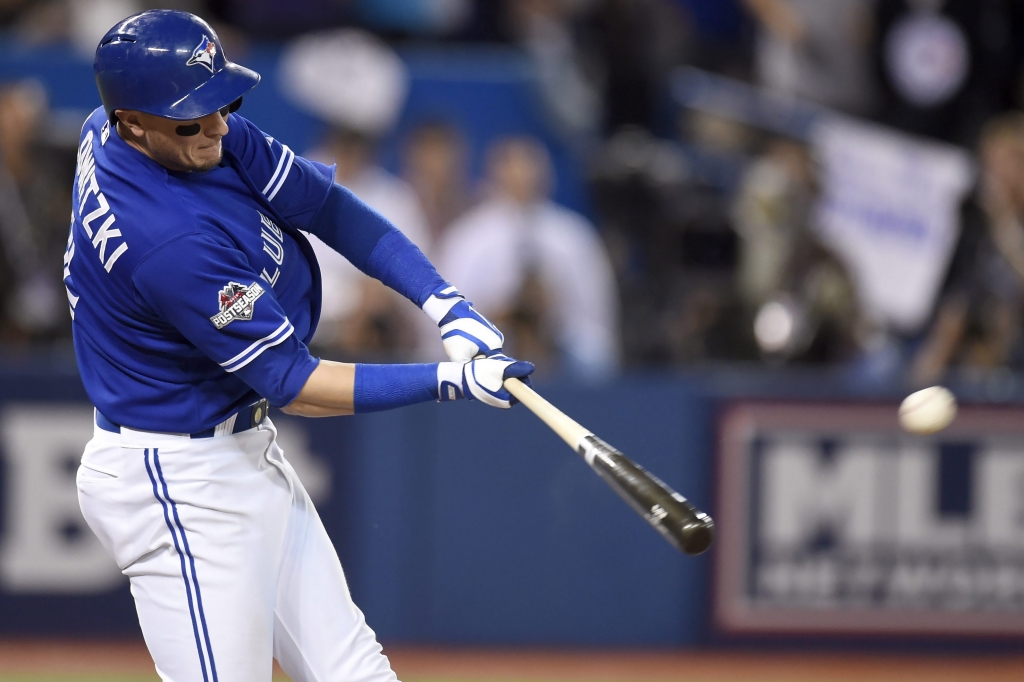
(449, 381)
(439, 303)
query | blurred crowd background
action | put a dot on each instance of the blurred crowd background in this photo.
(784, 182)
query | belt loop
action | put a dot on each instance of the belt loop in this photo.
(226, 427)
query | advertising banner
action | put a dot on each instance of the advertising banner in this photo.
(833, 521)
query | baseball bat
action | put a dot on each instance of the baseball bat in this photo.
(687, 528)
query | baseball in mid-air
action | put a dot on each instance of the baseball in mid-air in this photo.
(928, 411)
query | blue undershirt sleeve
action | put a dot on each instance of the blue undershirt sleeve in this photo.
(385, 387)
(375, 246)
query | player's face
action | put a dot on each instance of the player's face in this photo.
(178, 145)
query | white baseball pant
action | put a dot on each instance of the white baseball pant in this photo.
(229, 563)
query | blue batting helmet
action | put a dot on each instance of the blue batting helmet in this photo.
(167, 63)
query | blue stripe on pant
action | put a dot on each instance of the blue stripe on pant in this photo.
(176, 528)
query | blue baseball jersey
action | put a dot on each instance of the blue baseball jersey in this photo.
(192, 294)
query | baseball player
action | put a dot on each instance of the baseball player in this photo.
(193, 293)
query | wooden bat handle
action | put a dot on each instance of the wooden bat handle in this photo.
(570, 431)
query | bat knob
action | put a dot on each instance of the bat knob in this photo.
(696, 537)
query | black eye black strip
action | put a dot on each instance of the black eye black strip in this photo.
(189, 130)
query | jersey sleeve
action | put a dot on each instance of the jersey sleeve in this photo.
(207, 291)
(295, 186)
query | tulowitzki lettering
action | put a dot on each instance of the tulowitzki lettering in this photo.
(89, 188)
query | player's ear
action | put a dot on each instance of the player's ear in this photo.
(130, 120)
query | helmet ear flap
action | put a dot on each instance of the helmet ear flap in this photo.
(230, 108)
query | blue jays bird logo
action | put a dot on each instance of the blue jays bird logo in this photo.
(203, 54)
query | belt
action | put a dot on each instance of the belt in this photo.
(246, 418)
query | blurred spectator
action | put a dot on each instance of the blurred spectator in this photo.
(947, 65)
(601, 64)
(799, 296)
(568, 83)
(357, 84)
(414, 17)
(771, 216)
(718, 36)
(672, 243)
(11, 10)
(978, 320)
(486, 22)
(634, 44)
(346, 77)
(84, 22)
(817, 50)
(277, 19)
(481, 20)
(434, 163)
(538, 270)
(35, 201)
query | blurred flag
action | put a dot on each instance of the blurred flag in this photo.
(889, 206)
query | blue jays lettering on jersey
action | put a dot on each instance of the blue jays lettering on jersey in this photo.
(192, 294)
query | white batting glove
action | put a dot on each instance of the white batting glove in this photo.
(465, 333)
(481, 380)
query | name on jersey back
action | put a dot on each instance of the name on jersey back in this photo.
(91, 198)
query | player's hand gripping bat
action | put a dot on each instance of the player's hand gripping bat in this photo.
(683, 525)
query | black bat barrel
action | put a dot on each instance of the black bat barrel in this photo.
(687, 528)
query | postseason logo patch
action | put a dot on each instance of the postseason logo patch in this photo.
(236, 303)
